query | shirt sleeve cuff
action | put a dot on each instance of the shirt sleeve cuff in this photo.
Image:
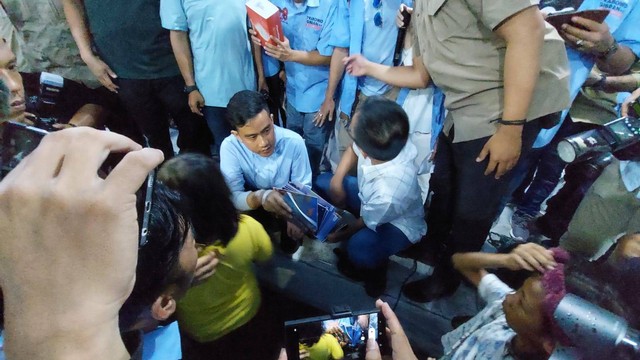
(240, 200)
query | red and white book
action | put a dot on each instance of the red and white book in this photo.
(265, 19)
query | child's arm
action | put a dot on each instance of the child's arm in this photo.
(528, 256)
(336, 190)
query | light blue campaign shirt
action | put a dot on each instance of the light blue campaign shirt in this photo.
(308, 27)
(623, 20)
(270, 65)
(222, 60)
(358, 32)
(163, 343)
(246, 171)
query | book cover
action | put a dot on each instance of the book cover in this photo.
(304, 209)
(265, 19)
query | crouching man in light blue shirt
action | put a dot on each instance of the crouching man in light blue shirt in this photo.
(258, 157)
(306, 53)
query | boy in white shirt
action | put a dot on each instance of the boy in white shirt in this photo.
(391, 208)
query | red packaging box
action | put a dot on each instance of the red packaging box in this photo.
(265, 19)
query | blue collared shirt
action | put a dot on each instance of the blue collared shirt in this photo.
(162, 343)
(222, 60)
(246, 171)
(630, 174)
(308, 28)
(359, 33)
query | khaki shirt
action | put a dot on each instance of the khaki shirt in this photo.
(41, 39)
(465, 58)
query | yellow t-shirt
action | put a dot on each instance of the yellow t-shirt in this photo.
(230, 297)
(327, 348)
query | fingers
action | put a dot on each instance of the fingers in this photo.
(373, 350)
(590, 25)
(131, 172)
(206, 266)
(283, 354)
(536, 257)
(483, 153)
(107, 82)
(320, 117)
(624, 109)
(392, 320)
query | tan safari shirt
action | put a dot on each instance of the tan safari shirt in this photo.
(465, 58)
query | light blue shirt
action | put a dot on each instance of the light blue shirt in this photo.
(162, 343)
(246, 171)
(623, 21)
(308, 28)
(630, 174)
(222, 60)
(359, 33)
(270, 65)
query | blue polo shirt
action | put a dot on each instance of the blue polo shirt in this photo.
(308, 27)
(359, 33)
(222, 60)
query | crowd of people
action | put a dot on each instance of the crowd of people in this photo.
(423, 118)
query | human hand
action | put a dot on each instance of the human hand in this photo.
(283, 77)
(531, 257)
(196, 102)
(593, 78)
(503, 149)
(281, 50)
(401, 22)
(337, 193)
(254, 37)
(102, 72)
(624, 109)
(294, 231)
(262, 84)
(60, 126)
(326, 112)
(70, 243)
(205, 267)
(396, 336)
(283, 354)
(596, 39)
(356, 65)
(274, 203)
(628, 247)
(340, 235)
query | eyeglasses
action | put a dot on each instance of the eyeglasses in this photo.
(377, 18)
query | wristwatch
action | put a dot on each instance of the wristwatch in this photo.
(190, 88)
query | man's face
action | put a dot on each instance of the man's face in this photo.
(523, 309)
(258, 134)
(11, 77)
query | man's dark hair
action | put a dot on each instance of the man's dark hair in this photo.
(244, 106)
(158, 260)
(382, 128)
(202, 186)
(310, 333)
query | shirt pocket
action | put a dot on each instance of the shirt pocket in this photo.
(311, 32)
(449, 19)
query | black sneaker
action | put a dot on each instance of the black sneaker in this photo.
(430, 288)
(288, 244)
(375, 282)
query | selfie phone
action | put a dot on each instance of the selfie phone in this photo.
(564, 17)
(349, 331)
(18, 141)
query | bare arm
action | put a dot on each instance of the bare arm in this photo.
(336, 70)
(414, 76)
(182, 52)
(336, 189)
(257, 58)
(623, 83)
(91, 115)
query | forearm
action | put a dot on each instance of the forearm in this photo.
(413, 77)
(257, 58)
(347, 162)
(473, 264)
(617, 63)
(91, 115)
(522, 62)
(624, 83)
(182, 52)
(312, 58)
(336, 70)
(241, 200)
(76, 17)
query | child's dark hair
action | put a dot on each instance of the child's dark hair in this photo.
(244, 106)
(382, 128)
(208, 198)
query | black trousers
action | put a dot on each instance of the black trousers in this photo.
(465, 201)
(148, 102)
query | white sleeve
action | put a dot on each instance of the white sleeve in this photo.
(491, 288)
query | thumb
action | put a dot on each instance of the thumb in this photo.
(111, 73)
(483, 153)
(373, 351)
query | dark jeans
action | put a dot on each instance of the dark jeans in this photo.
(148, 102)
(465, 201)
(276, 95)
(541, 170)
(216, 118)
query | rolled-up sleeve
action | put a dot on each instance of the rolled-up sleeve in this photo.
(324, 43)
(493, 13)
(340, 36)
(173, 16)
(230, 167)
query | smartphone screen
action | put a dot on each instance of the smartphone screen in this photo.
(334, 338)
(18, 141)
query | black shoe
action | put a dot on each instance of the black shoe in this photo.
(347, 269)
(375, 282)
(288, 244)
(432, 288)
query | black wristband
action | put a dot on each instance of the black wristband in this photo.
(610, 51)
(511, 122)
(190, 88)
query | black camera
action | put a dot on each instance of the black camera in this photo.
(612, 137)
(51, 86)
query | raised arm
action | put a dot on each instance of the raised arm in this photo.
(414, 76)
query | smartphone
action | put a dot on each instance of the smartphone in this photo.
(307, 337)
(18, 141)
(560, 18)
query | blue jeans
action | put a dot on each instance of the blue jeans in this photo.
(368, 249)
(216, 118)
(315, 138)
(350, 184)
